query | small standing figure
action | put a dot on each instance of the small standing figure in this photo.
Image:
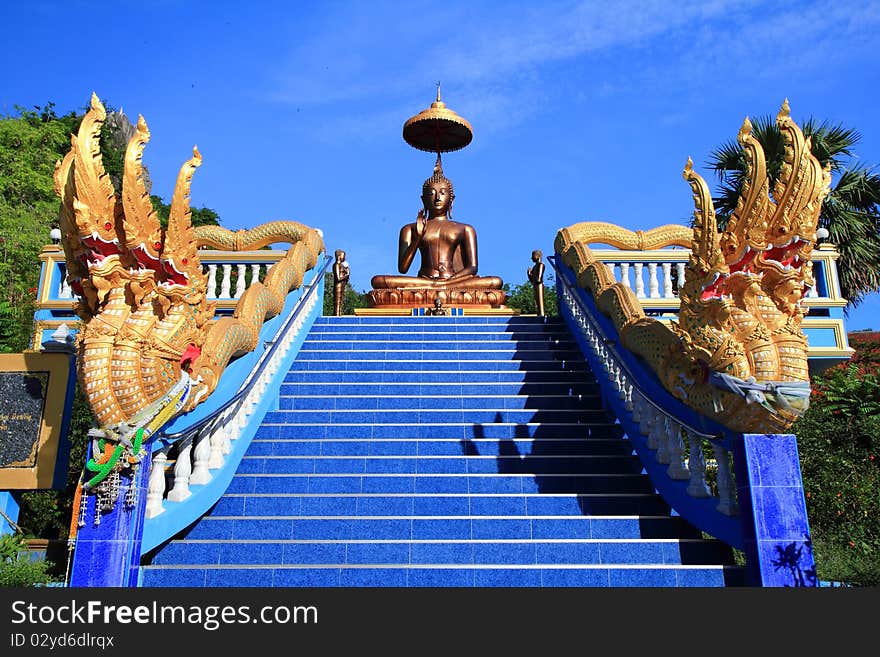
(438, 308)
(536, 278)
(341, 274)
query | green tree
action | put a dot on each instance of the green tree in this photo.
(350, 299)
(522, 298)
(30, 144)
(850, 212)
(199, 216)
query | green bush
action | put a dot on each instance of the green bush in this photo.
(839, 442)
(16, 566)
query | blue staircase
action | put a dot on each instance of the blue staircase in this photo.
(440, 451)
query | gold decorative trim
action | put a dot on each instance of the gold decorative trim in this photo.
(41, 475)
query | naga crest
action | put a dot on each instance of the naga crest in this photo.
(737, 352)
(149, 346)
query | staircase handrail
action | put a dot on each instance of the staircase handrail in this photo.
(247, 386)
(207, 443)
(657, 423)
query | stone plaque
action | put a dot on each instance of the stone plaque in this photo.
(36, 395)
(22, 400)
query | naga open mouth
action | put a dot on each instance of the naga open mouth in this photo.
(97, 249)
(744, 264)
(146, 259)
(173, 276)
(712, 289)
(785, 256)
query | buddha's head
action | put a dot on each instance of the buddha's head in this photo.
(437, 193)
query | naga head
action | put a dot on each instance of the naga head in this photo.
(798, 193)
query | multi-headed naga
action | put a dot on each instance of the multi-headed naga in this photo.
(737, 352)
(149, 347)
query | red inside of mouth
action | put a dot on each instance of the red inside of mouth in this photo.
(99, 249)
(173, 276)
(785, 255)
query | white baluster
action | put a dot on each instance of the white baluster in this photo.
(624, 274)
(636, 401)
(697, 487)
(658, 431)
(667, 280)
(255, 273)
(675, 447)
(201, 473)
(647, 422)
(212, 281)
(628, 399)
(726, 494)
(182, 471)
(610, 266)
(653, 283)
(679, 267)
(240, 283)
(640, 283)
(226, 283)
(216, 460)
(156, 486)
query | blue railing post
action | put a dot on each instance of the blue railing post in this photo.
(776, 531)
(109, 553)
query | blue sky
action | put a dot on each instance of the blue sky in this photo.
(581, 110)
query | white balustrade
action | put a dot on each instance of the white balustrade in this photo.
(212, 281)
(726, 493)
(675, 448)
(255, 273)
(653, 284)
(679, 267)
(640, 283)
(624, 274)
(226, 282)
(182, 471)
(201, 473)
(156, 485)
(240, 283)
(667, 280)
(697, 486)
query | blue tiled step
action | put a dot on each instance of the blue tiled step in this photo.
(434, 576)
(442, 389)
(437, 402)
(464, 366)
(534, 504)
(435, 447)
(436, 527)
(435, 416)
(312, 344)
(455, 430)
(458, 320)
(292, 484)
(433, 353)
(396, 336)
(540, 552)
(507, 464)
(440, 375)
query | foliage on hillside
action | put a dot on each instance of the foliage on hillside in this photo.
(839, 445)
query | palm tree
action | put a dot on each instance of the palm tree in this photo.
(850, 212)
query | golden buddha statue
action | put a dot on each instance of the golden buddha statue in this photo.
(448, 249)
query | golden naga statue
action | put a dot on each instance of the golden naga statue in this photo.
(448, 249)
(150, 346)
(737, 352)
